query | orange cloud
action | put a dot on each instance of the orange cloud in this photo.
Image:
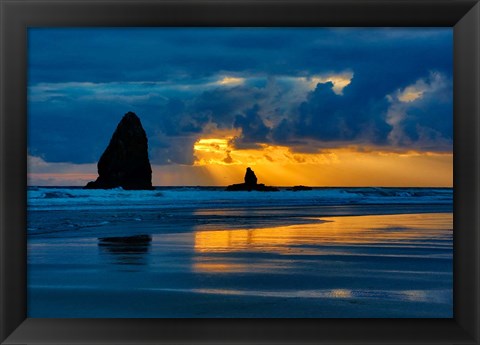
(231, 81)
(348, 166)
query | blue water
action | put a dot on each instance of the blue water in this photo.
(74, 198)
(73, 211)
(205, 252)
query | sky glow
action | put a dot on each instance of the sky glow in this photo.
(312, 106)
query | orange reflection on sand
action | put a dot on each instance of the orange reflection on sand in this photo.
(326, 236)
(244, 240)
(322, 237)
(214, 266)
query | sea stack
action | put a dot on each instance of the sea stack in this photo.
(250, 184)
(125, 161)
(250, 178)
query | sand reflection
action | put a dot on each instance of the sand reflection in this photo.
(430, 296)
(328, 230)
(323, 236)
(127, 250)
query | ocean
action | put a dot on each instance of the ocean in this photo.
(204, 252)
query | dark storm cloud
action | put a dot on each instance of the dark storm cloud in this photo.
(424, 123)
(222, 104)
(427, 121)
(81, 81)
(253, 128)
(326, 116)
(156, 54)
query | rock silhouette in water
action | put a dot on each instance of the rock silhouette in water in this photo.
(125, 161)
(250, 184)
(299, 188)
(250, 178)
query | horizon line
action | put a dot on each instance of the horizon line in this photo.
(211, 186)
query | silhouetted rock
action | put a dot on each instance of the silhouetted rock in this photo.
(125, 161)
(250, 184)
(250, 178)
(245, 187)
(299, 188)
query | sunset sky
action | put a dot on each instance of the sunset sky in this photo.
(311, 106)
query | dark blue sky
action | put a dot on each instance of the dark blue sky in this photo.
(276, 85)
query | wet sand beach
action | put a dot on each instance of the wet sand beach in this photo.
(391, 265)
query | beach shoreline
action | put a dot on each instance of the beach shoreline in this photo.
(391, 265)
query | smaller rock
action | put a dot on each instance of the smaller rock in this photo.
(250, 184)
(250, 178)
(299, 188)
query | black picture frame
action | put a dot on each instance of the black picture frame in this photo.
(18, 15)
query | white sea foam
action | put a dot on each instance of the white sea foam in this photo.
(48, 198)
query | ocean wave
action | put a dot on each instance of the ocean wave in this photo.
(54, 195)
(191, 197)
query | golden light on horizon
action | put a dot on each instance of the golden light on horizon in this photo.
(222, 151)
(218, 162)
(212, 151)
(348, 166)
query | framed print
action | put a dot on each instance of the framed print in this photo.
(240, 172)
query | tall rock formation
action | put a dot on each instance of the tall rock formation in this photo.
(125, 161)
